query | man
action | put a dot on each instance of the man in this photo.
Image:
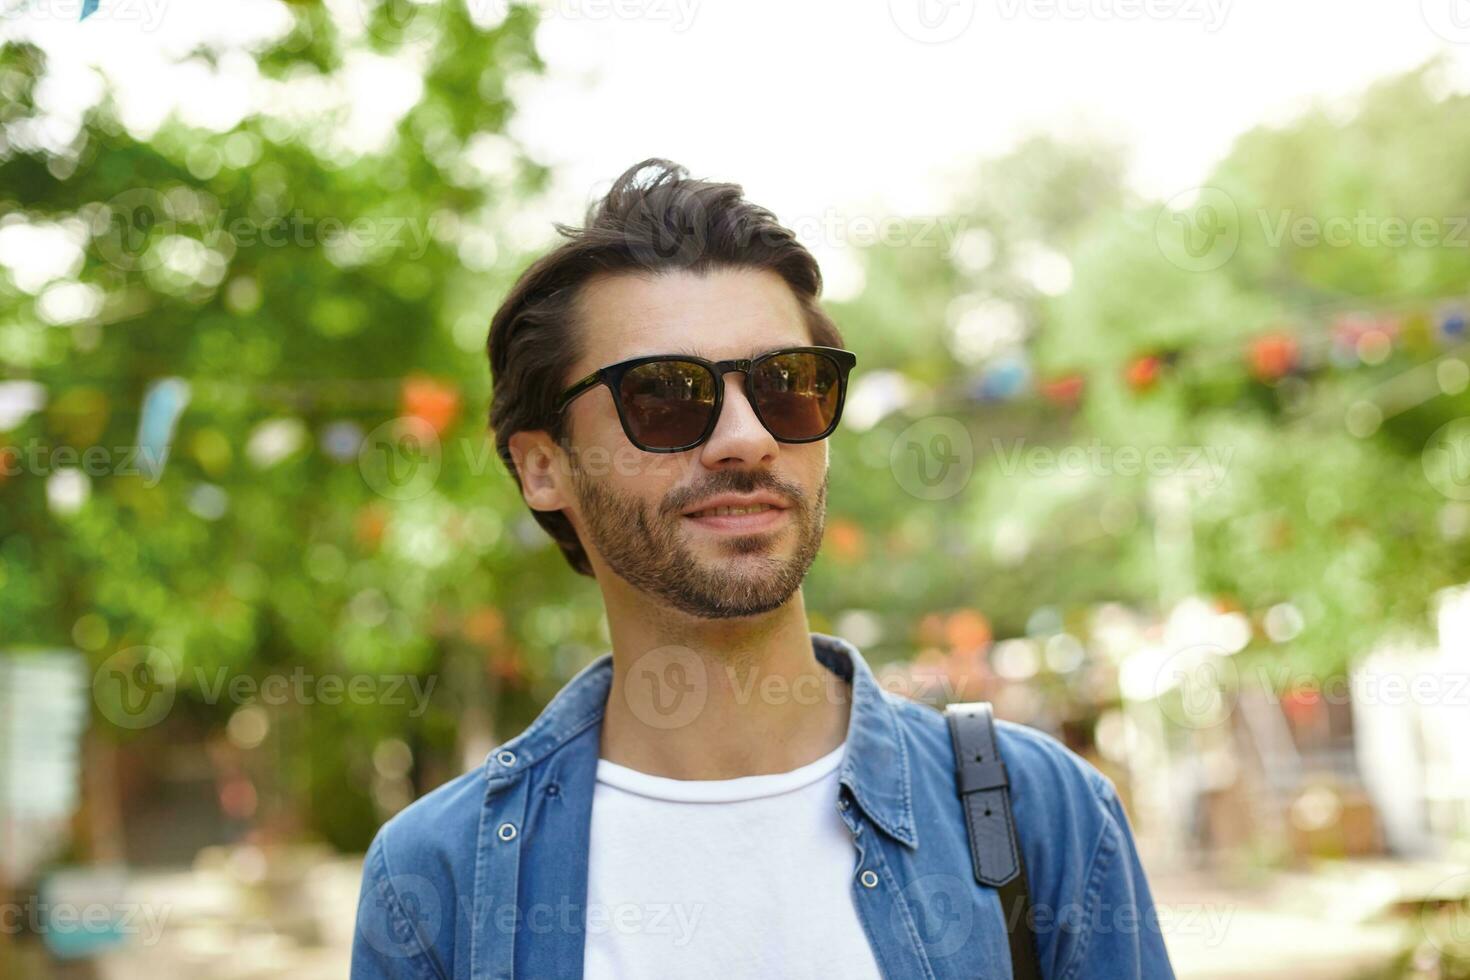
(726, 794)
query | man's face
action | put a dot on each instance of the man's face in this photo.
(632, 508)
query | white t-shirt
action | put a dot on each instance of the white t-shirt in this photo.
(745, 879)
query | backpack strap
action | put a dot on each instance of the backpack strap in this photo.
(984, 790)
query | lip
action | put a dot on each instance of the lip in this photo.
(738, 500)
(766, 520)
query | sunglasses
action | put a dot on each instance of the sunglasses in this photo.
(669, 403)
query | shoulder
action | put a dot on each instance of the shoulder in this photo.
(1066, 811)
(1059, 797)
(1095, 912)
(430, 835)
(1038, 764)
(417, 866)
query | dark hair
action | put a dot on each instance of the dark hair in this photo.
(663, 223)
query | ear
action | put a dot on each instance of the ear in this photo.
(540, 464)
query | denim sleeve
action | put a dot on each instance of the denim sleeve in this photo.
(1121, 936)
(393, 911)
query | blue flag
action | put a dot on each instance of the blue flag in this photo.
(88, 6)
(163, 403)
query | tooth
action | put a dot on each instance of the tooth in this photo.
(732, 511)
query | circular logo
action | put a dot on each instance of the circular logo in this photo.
(134, 688)
(1446, 919)
(667, 687)
(401, 458)
(943, 910)
(1195, 686)
(1450, 19)
(676, 236)
(932, 21)
(1198, 230)
(127, 227)
(1446, 459)
(397, 22)
(933, 458)
(400, 915)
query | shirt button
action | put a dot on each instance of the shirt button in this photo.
(506, 831)
(869, 879)
(505, 757)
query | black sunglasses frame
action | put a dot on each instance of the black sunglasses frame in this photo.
(612, 376)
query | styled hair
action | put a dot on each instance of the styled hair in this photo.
(654, 219)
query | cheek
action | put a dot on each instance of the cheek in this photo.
(812, 467)
(638, 476)
(631, 474)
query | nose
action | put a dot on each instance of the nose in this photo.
(739, 436)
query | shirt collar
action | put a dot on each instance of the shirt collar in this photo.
(875, 767)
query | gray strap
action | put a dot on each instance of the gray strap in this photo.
(985, 789)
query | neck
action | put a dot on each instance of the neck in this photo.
(718, 699)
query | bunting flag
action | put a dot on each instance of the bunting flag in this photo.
(163, 403)
(1452, 325)
(1346, 339)
(1273, 356)
(1143, 372)
(431, 400)
(1003, 380)
(1349, 339)
(1063, 390)
(88, 7)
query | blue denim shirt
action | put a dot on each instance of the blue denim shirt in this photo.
(486, 876)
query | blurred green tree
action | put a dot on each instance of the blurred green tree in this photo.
(330, 504)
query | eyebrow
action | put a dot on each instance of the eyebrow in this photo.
(688, 351)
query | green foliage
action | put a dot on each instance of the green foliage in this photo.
(1344, 526)
(291, 280)
(229, 258)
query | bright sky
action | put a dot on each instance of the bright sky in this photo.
(826, 110)
(836, 103)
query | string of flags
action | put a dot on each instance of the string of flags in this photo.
(1351, 339)
(79, 416)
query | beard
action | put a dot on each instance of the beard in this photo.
(649, 548)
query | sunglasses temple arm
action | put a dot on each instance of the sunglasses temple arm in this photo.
(576, 389)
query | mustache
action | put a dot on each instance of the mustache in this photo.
(736, 482)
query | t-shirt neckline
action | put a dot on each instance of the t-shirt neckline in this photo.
(717, 790)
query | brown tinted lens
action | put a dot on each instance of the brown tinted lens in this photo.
(668, 403)
(797, 394)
